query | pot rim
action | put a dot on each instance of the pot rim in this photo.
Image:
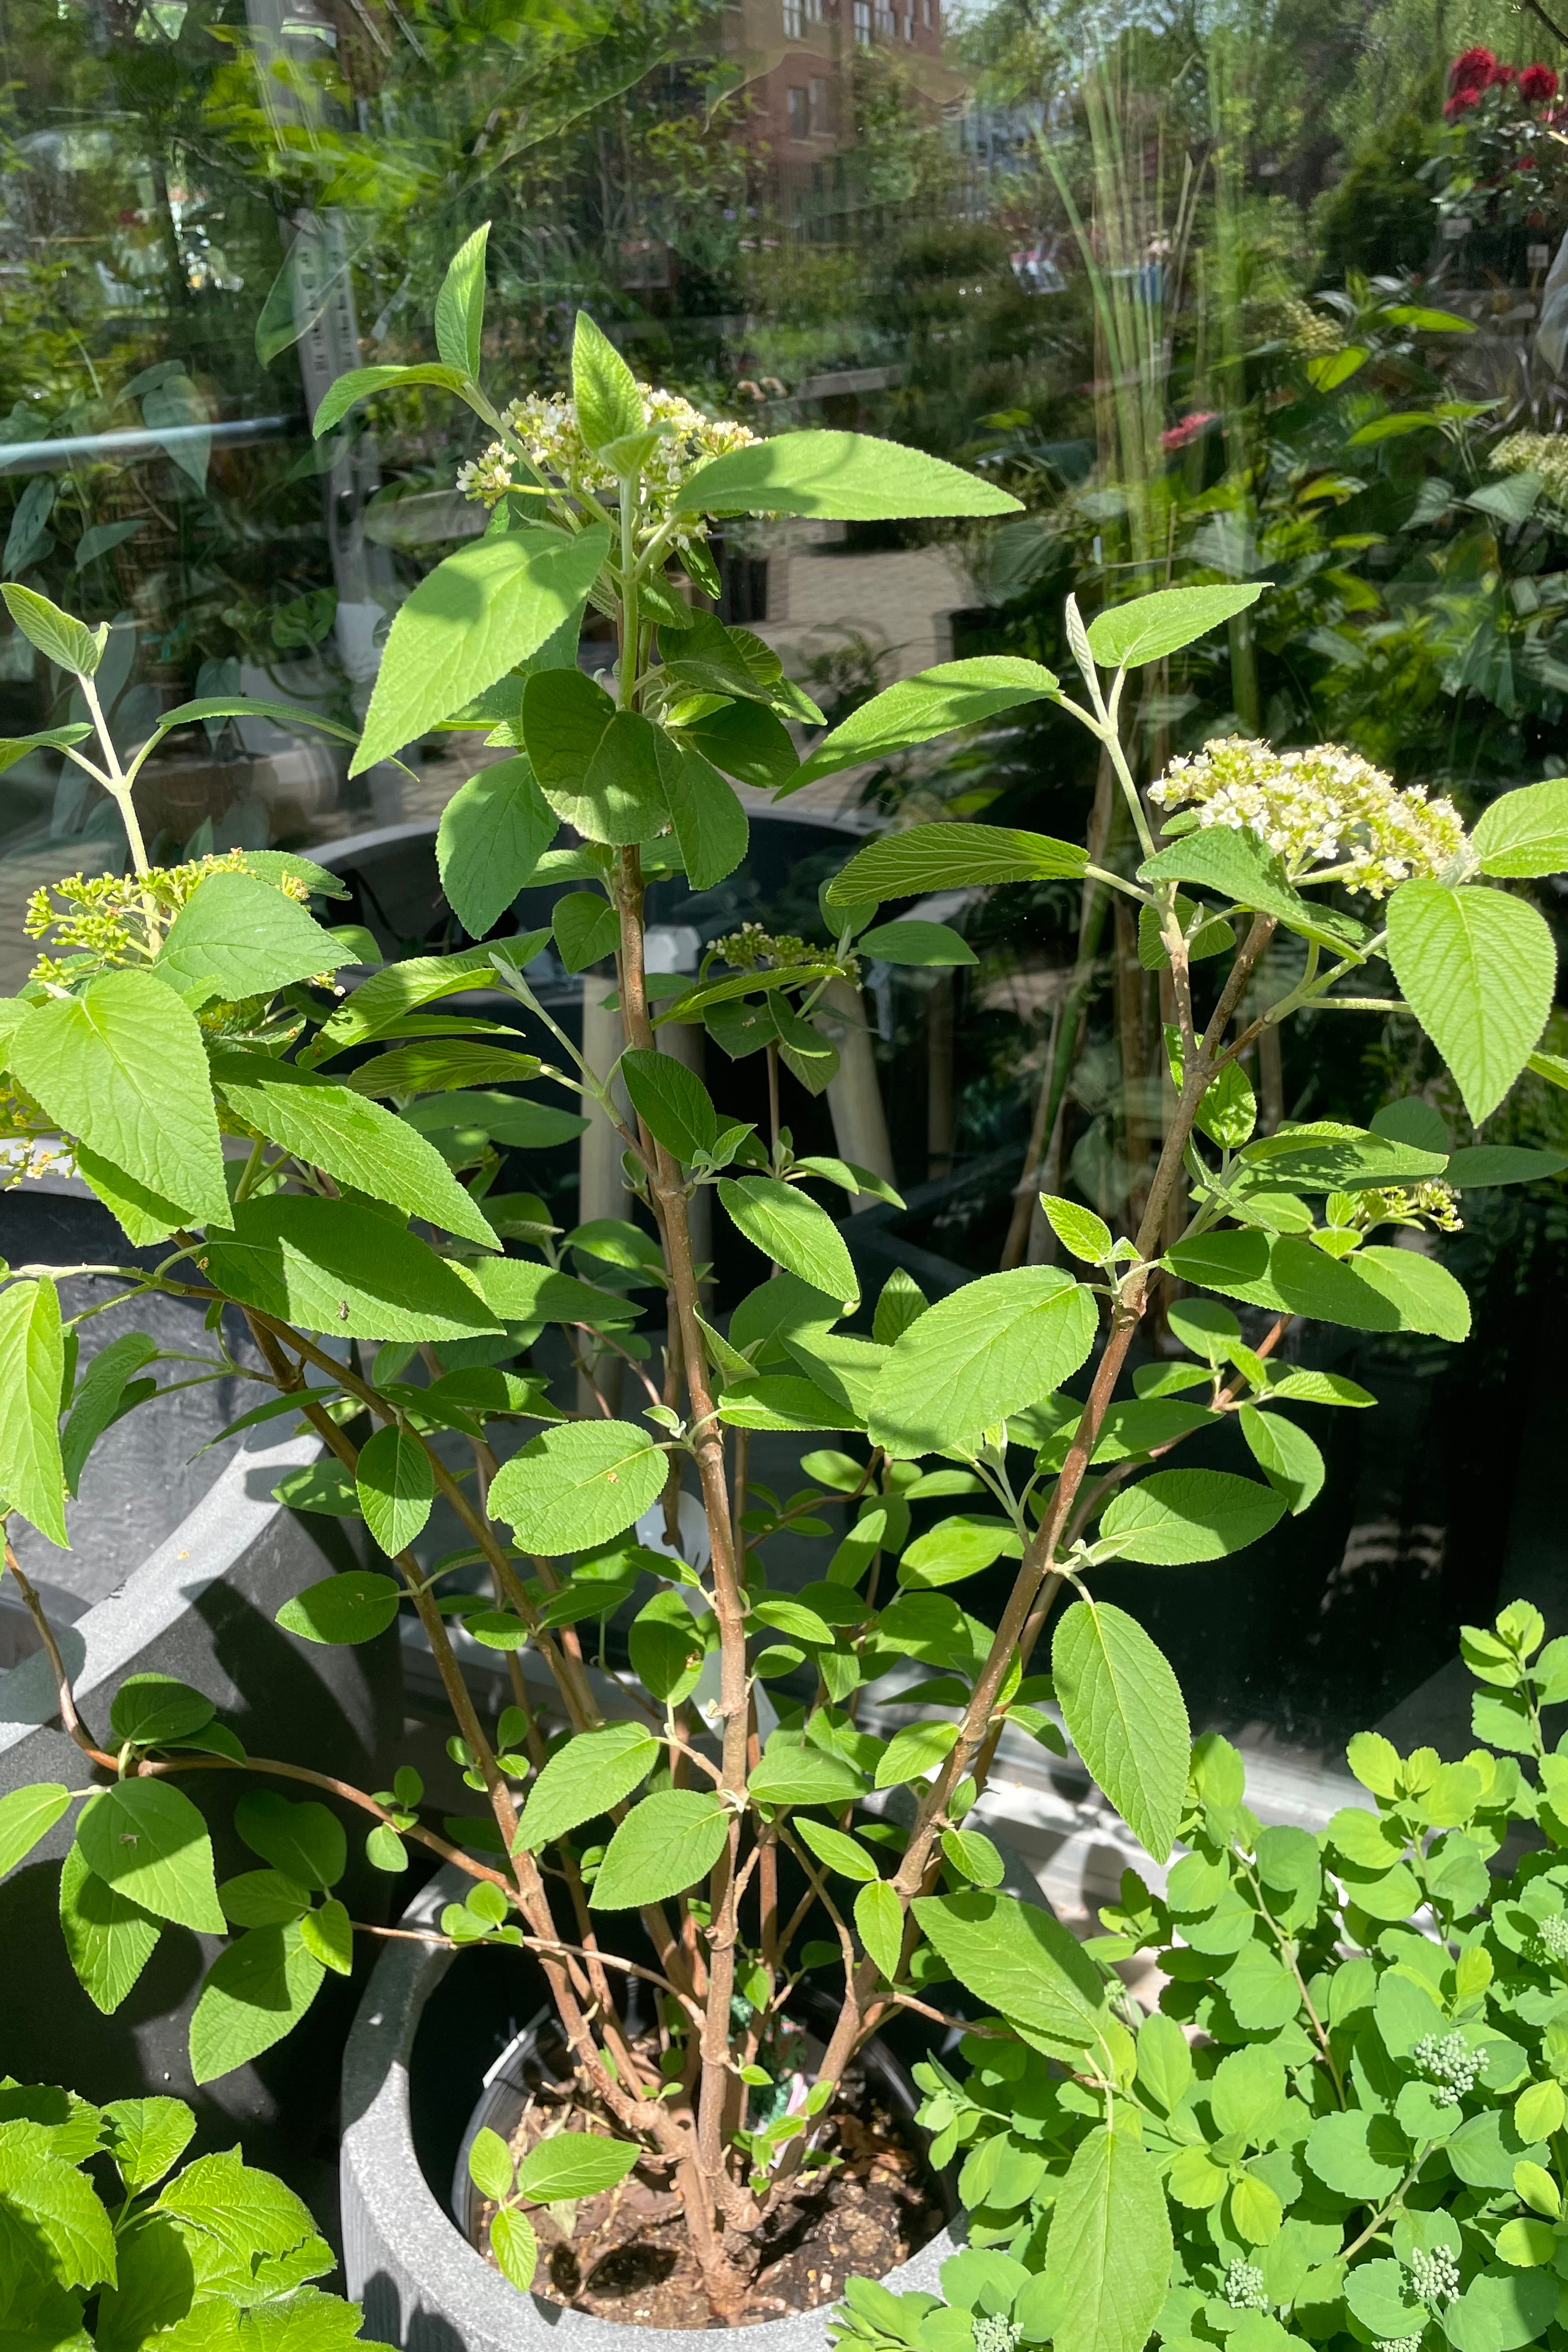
(388, 2204)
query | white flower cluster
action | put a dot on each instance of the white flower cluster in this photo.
(1545, 454)
(992, 2333)
(1324, 806)
(1400, 2344)
(1244, 2286)
(548, 430)
(1554, 1936)
(1435, 2276)
(1451, 2064)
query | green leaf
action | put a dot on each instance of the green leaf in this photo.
(1525, 832)
(325, 1486)
(461, 305)
(1482, 1164)
(358, 1142)
(335, 1266)
(256, 1990)
(1108, 2258)
(597, 766)
(25, 1816)
(489, 2164)
(379, 1004)
(1426, 1294)
(915, 942)
(791, 1228)
(493, 832)
(957, 1547)
(1122, 1707)
(327, 1934)
(578, 1485)
(69, 644)
(795, 1771)
(1127, 636)
(262, 1898)
(468, 622)
(837, 1849)
(1179, 1515)
(934, 702)
(97, 1399)
(849, 477)
(988, 1350)
(268, 863)
(914, 1751)
(152, 1710)
(146, 1840)
(973, 1856)
(505, 1119)
(609, 404)
(109, 1939)
(586, 928)
(123, 1066)
(1286, 1455)
(666, 1845)
(397, 1488)
(927, 858)
(515, 2248)
(1359, 2154)
(236, 936)
(1378, 1290)
(1239, 868)
(573, 2164)
(50, 738)
(1478, 969)
(671, 1101)
(1077, 1229)
(439, 1065)
(301, 1838)
(341, 1609)
(66, 2227)
(586, 1778)
(900, 1303)
(32, 1373)
(879, 1924)
(668, 1645)
(1503, 2310)
(147, 2137)
(711, 829)
(521, 1290)
(1018, 1960)
(361, 383)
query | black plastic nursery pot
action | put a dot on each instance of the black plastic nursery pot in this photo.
(179, 1562)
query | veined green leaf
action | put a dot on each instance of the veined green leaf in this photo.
(235, 937)
(1128, 636)
(945, 856)
(25, 1816)
(953, 694)
(493, 832)
(32, 1373)
(879, 1924)
(397, 1488)
(468, 622)
(574, 2164)
(789, 1227)
(1478, 969)
(147, 1840)
(1179, 1515)
(1525, 832)
(1108, 2259)
(461, 305)
(332, 1265)
(849, 476)
(1018, 1960)
(578, 1484)
(609, 406)
(256, 1990)
(591, 1772)
(671, 1101)
(990, 1350)
(597, 766)
(1123, 1710)
(665, 1845)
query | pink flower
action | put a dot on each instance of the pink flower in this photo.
(1472, 71)
(1537, 83)
(1183, 434)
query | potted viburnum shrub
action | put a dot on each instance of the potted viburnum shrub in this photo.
(1343, 2120)
(621, 1835)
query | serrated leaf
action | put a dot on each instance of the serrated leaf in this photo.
(476, 617)
(147, 2137)
(837, 1849)
(147, 1840)
(123, 1068)
(396, 1486)
(97, 1399)
(461, 305)
(1286, 1455)
(335, 1266)
(711, 829)
(586, 926)
(493, 832)
(988, 1350)
(578, 1485)
(256, 1991)
(975, 1857)
(1178, 1516)
(356, 1141)
(790, 1228)
(671, 1101)
(151, 1709)
(1149, 627)
(1018, 1960)
(1123, 1710)
(25, 1816)
(1107, 2257)
(301, 1838)
(236, 936)
(109, 1939)
(1478, 968)
(591, 1772)
(1525, 832)
(1077, 1229)
(608, 405)
(32, 1373)
(573, 2164)
(851, 477)
(360, 384)
(927, 857)
(327, 1934)
(597, 766)
(795, 1771)
(68, 643)
(934, 702)
(665, 1845)
(515, 2248)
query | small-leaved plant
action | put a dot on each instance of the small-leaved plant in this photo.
(1345, 2120)
(104, 2244)
(323, 1161)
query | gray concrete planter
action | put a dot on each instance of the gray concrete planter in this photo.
(177, 1567)
(424, 2288)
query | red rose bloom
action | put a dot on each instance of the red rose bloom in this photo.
(1460, 104)
(1472, 71)
(1503, 74)
(1537, 83)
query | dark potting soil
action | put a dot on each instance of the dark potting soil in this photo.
(628, 2259)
